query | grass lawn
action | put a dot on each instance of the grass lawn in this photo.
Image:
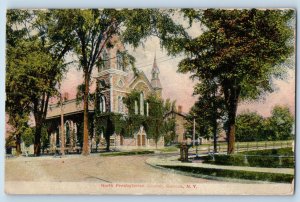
(168, 149)
(127, 153)
(236, 174)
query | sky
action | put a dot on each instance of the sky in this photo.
(179, 87)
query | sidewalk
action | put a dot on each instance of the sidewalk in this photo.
(173, 161)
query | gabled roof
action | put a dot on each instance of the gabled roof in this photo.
(140, 76)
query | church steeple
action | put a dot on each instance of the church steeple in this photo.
(155, 82)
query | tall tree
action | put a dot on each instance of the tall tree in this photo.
(244, 49)
(250, 127)
(35, 62)
(92, 31)
(281, 123)
(208, 111)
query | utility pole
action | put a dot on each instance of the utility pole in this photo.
(194, 126)
(62, 137)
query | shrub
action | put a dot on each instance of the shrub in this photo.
(282, 152)
(237, 174)
(273, 158)
(127, 153)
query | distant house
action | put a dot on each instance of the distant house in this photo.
(180, 122)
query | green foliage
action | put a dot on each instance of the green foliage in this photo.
(35, 63)
(281, 152)
(155, 124)
(128, 153)
(208, 112)
(236, 174)
(28, 136)
(281, 123)
(274, 158)
(80, 134)
(44, 137)
(243, 49)
(250, 126)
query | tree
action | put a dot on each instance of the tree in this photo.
(169, 125)
(16, 105)
(243, 49)
(281, 123)
(156, 118)
(250, 127)
(210, 106)
(155, 123)
(208, 111)
(28, 136)
(35, 62)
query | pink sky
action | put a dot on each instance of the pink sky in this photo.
(179, 87)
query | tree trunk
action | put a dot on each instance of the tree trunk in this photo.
(109, 132)
(231, 138)
(233, 102)
(215, 128)
(18, 144)
(107, 139)
(85, 148)
(37, 139)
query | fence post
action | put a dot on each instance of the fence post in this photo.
(248, 146)
(273, 144)
(245, 160)
(280, 161)
(256, 145)
(265, 145)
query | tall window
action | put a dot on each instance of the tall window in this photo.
(120, 104)
(67, 134)
(142, 103)
(102, 104)
(120, 63)
(105, 58)
(136, 110)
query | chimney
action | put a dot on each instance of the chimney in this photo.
(66, 96)
(179, 109)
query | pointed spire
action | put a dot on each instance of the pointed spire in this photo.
(154, 62)
(155, 82)
(155, 69)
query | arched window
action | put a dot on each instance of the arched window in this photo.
(105, 57)
(120, 63)
(136, 110)
(147, 109)
(142, 103)
(120, 104)
(67, 133)
(57, 138)
(102, 107)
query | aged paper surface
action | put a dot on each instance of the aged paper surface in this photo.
(150, 101)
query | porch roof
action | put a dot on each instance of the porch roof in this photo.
(69, 107)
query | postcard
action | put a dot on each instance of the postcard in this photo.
(150, 101)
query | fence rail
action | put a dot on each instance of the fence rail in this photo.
(244, 146)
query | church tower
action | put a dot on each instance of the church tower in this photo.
(155, 82)
(113, 75)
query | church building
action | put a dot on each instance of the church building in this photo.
(114, 80)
